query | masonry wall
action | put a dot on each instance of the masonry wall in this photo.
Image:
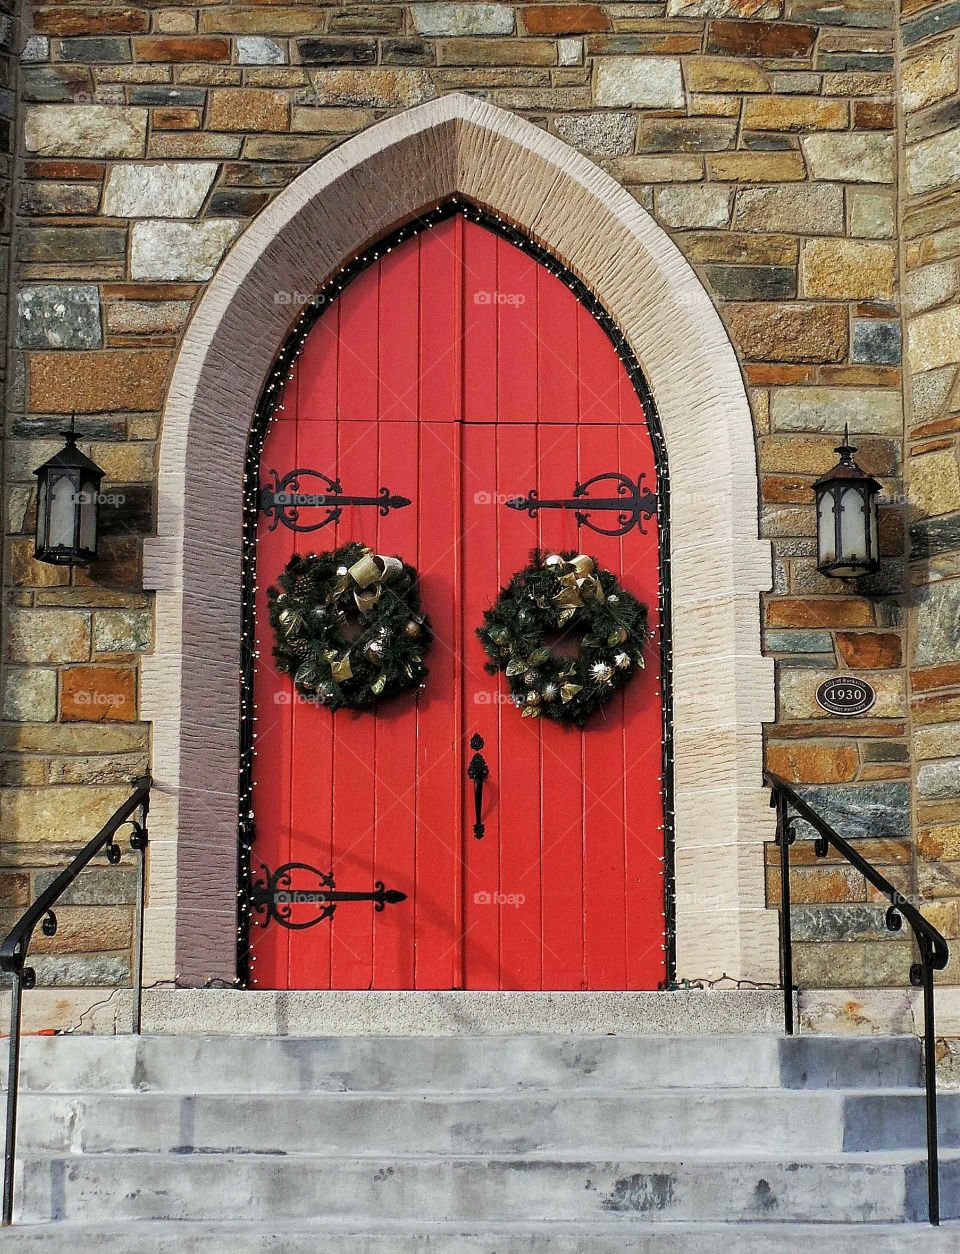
(761, 134)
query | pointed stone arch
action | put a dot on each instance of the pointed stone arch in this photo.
(723, 687)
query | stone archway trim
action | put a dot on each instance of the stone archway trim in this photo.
(723, 687)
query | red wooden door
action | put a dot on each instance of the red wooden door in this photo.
(458, 372)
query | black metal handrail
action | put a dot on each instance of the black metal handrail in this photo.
(13, 951)
(933, 949)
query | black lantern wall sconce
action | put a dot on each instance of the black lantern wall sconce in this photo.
(68, 492)
(848, 542)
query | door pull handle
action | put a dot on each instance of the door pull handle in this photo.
(478, 771)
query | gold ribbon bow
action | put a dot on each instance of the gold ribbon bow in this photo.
(370, 572)
(578, 582)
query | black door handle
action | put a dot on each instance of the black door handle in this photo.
(478, 772)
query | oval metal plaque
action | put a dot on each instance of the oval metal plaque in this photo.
(846, 695)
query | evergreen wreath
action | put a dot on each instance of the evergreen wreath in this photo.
(320, 598)
(564, 592)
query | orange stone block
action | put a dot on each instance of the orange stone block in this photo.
(813, 764)
(173, 48)
(98, 694)
(564, 19)
(819, 612)
(91, 383)
(870, 650)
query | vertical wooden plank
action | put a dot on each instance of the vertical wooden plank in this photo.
(558, 313)
(516, 334)
(480, 324)
(399, 334)
(440, 760)
(518, 767)
(603, 766)
(441, 311)
(359, 347)
(643, 736)
(396, 721)
(562, 747)
(483, 694)
(600, 373)
(317, 370)
(273, 697)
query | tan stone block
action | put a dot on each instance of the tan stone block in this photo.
(48, 635)
(684, 168)
(499, 52)
(937, 742)
(836, 611)
(176, 21)
(813, 763)
(268, 19)
(872, 212)
(97, 694)
(799, 332)
(30, 694)
(848, 269)
(723, 74)
(933, 339)
(75, 738)
(808, 208)
(934, 482)
(26, 571)
(798, 685)
(379, 88)
(734, 248)
(795, 113)
(934, 162)
(939, 844)
(756, 167)
(92, 382)
(82, 130)
(154, 317)
(929, 77)
(850, 158)
(127, 462)
(176, 144)
(715, 106)
(248, 109)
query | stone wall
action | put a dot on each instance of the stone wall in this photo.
(931, 230)
(761, 134)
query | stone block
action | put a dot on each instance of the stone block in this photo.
(259, 50)
(269, 19)
(929, 77)
(639, 82)
(97, 694)
(36, 48)
(171, 48)
(756, 167)
(68, 199)
(379, 88)
(850, 158)
(60, 245)
(564, 19)
(819, 612)
(934, 163)
(929, 286)
(105, 51)
(939, 844)
(179, 250)
(674, 135)
(175, 21)
(248, 109)
(202, 145)
(462, 19)
(155, 317)
(933, 339)
(877, 341)
(798, 642)
(809, 209)
(85, 131)
(865, 410)
(848, 269)
(860, 811)
(752, 282)
(59, 315)
(703, 205)
(48, 636)
(794, 113)
(30, 694)
(124, 379)
(570, 51)
(75, 20)
(937, 636)
(798, 332)
(938, 780)
(316, 51)
(122, 631)
(721, 74)
(599, 134)
(870, 649)
(813, 764)
(871, 213)
(797, 687)
(761, 39)
(934, 482)
(158, 190)
(934, 21)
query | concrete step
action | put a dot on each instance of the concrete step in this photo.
(883, 1187)
(329, 1237)
(609, 1121)
(270, 1064)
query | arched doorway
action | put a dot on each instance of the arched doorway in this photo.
(456, 367)
(722, 685)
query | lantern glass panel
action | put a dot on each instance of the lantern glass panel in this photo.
(853, 526)
(88, 515)
(60, 533)
(826, 529)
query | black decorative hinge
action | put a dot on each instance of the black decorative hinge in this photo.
(284, 499)
(632, 503)
(276, 896)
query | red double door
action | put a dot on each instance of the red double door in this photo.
(457, 372)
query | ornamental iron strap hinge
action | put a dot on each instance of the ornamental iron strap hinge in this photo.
(275, 896)
(632, 503)
(283, 499)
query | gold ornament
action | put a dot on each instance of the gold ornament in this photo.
(583, 565)
(412, 629)
(341, 670)
(569, 691)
